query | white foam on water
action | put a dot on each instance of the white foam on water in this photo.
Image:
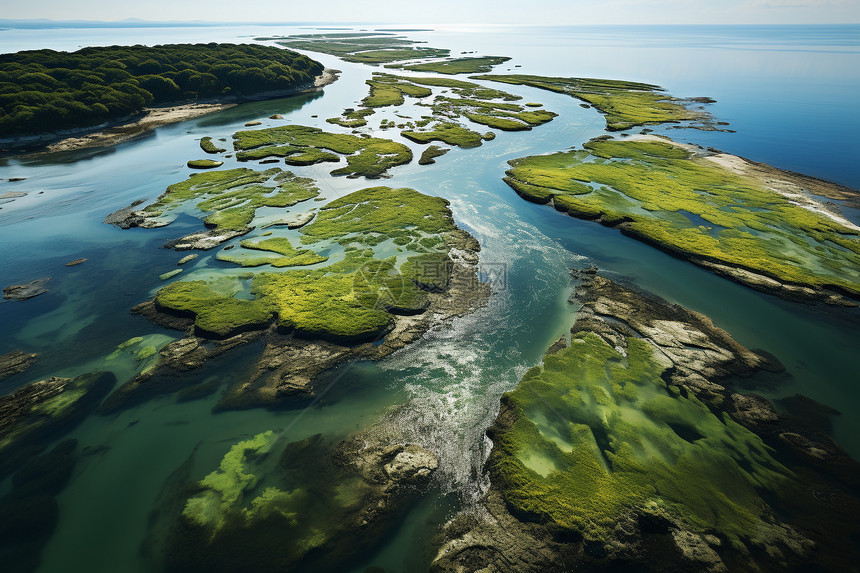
(456, 374)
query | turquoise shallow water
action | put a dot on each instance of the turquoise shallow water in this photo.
(785, 90)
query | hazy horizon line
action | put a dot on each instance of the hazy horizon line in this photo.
(130, 22)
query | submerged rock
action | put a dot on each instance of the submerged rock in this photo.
(323, 507)
(27, 290)
(293, 222)
(29, 512)
(10, 195)
(127, 217)
(36, 414)
(205, 240)
(15, 362)
(313, 320)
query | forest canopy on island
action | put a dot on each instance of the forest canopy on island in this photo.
(45, 90)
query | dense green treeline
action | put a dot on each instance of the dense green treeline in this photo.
(45, 90)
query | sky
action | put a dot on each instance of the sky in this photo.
(552, 12)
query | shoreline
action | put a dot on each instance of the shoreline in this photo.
(106, 135)
(701, 366)
(798, 189)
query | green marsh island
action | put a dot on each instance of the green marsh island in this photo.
(433, 316)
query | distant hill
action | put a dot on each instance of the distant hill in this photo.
(42, 91)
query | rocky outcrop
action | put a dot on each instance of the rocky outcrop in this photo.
(205, 240)
(296, 221)
(15, 362)
(325, 505)
(289, 363)
(786, 290)
(40, 412)
(694, 350)
(27, 290)
(127, 217)
(816, 528)
(130, 217)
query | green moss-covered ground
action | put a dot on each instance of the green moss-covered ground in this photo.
(386, 90)
(204, 163)
(460, 65)
(625, 104)
(349, 299)
(209, 147)
(352, 118)
(229, 199)
(215, 312)
(446, 132)
(596, 434)
(472, 102)
(429, 155)
(277, 251)
(370, 157)
(661, 193)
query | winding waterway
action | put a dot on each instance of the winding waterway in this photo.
(786, 92)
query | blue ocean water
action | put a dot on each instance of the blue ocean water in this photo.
(789, 92)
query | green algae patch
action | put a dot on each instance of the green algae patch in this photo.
(699, 208)
(204, 164)
(289, 255)
(381, 211)
(321, 306)
(209, 147)
(37, 414)
(473, 102)
(429, 155)
(386, 90)
(593, 434)
(146, 352)
(350, 300)
(130, 342)
(446, 132)
(352, 118)
(365, 156)
(214, 312)
(460, 65)
(231, 198)
(223, 489)
(625, 104)
(301, 506)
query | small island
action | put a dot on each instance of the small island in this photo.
(751, 222)
(50, 94)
